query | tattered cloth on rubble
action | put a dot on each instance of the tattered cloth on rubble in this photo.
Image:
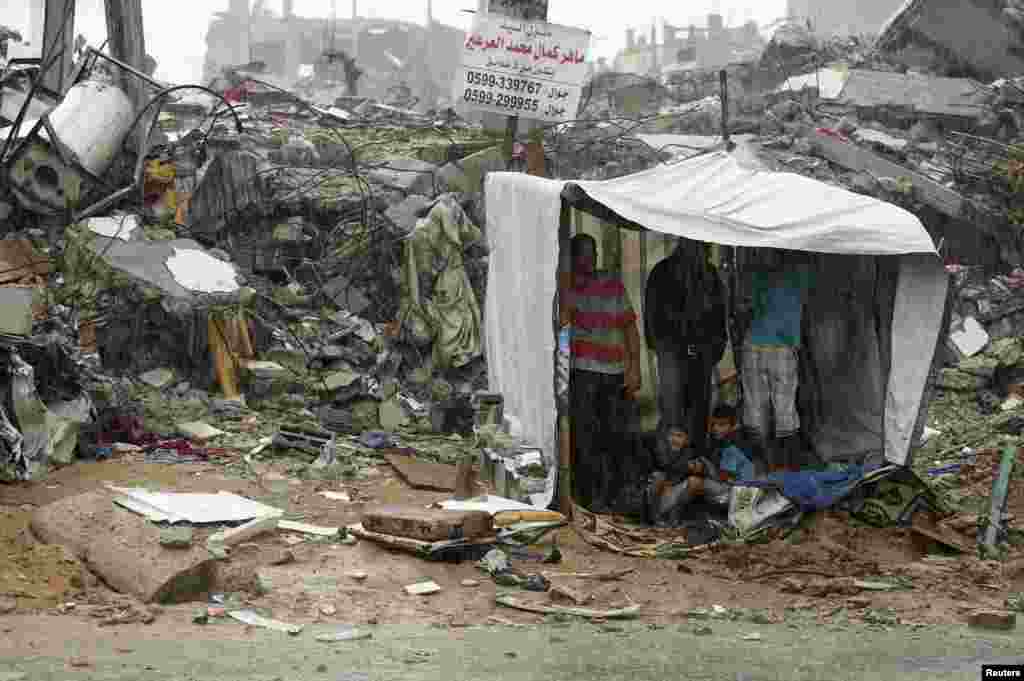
(38, 436)
(440, 305)
(880, 495)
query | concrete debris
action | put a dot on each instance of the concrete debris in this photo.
(422, 589)
(124, 227)
(344, 635)
(972, 339)
(176, 537)
(254, 620)
(200, 431)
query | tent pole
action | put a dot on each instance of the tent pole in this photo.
(563, 427)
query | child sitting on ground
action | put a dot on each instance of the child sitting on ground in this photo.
(686, 475)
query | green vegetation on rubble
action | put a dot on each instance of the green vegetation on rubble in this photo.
(379, 143)
(86, 274)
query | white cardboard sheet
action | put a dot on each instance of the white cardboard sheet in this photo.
(490, 503)
(223, 507)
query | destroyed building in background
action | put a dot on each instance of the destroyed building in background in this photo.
(391, 54)
(688, 48)
(834, 17)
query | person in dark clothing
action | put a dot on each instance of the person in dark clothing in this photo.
(604, 376)
(685, 324)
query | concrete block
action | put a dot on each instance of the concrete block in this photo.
(971, 340)
(176, 537)
(16, 310)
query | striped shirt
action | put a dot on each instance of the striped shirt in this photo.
(601, 312)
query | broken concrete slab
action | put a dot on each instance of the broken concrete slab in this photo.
(179, 537)
(148, 263)
(124, 549)
(340, 379)
(158, 378)
(426, 475)
(197, 430)
(231, 190)
(406, 214)
(423, 589)
(393, 415)
(954, 379)
(476, 167)
(123, 227)
(971, 339)
(16, 310)
(344, 295)
(409, 175)
(201, 272)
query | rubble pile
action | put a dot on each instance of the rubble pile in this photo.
(282, 250)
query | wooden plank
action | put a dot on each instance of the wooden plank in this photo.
(19, 260)
(420, 548)
(437, 477)
(519, 604)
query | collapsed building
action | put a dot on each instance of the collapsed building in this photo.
(393, 56)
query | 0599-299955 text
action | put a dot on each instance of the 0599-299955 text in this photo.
(505, 92)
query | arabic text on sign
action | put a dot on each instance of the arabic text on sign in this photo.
(537, 51)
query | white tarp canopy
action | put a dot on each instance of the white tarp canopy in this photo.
(720, 199)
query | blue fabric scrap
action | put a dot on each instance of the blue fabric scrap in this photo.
(813, 490)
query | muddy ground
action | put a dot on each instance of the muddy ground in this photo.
(808, 575)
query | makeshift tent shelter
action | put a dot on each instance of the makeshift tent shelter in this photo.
(873, 319)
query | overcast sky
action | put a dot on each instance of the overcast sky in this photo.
(176, 29)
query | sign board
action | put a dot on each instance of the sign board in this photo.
(520, 68)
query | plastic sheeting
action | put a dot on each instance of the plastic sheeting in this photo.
(721, 199)
(522, 237)
(718, 198)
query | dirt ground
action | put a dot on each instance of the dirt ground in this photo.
(810, 576)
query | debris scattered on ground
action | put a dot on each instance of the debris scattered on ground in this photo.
(253, 619)
(519, 604)
(344, 635)
(422, 589)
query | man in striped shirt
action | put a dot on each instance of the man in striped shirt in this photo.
(605, 374)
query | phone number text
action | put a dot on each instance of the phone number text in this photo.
(503, 82)
(501, 100)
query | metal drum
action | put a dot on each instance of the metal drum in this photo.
(90, 125)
